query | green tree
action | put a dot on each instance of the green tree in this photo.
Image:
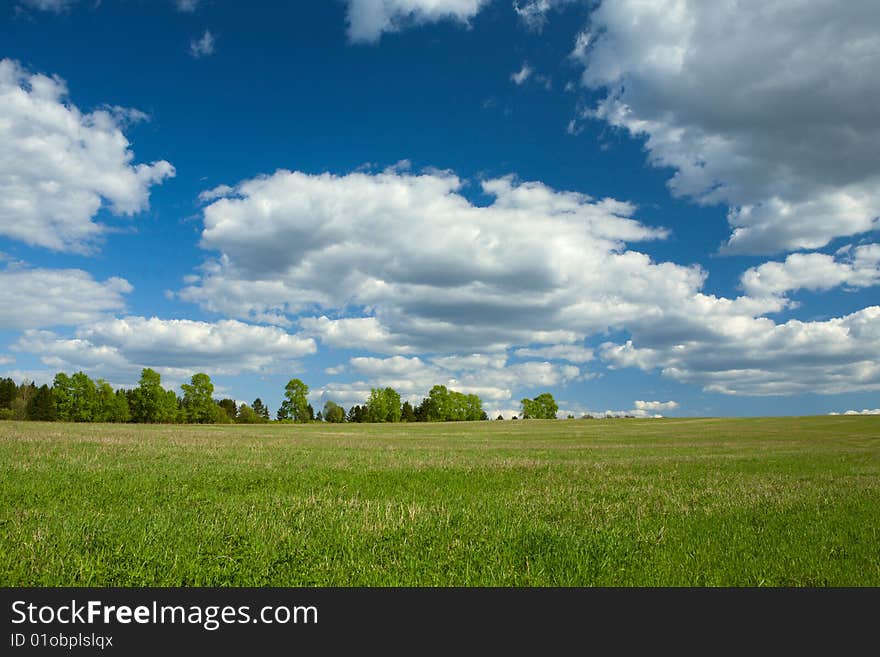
(444, 405)
(333, 412)
(23, 396)
(150, 402)
(260, 409)
(407, 413)
(111, 406)
(296, 402)
(62, 393)
(542, 407)
(84, 397)
(198, 400)
(437, 404)
(247, 415)
(7, 393)
(229, 407)
(383, 405)
(41, 406)
(356, 413)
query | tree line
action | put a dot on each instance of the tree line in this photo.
(78, 398)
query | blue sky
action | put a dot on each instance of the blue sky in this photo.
(645, 207)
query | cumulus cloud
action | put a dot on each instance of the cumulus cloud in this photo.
(569, 352)
(119, 348)
(369, 19)
(42, 298)
(654, 406)
(767, 107)
(352, 333)
(401, 263)
(864, 411)
(430, 270)
(203, 46)
(489, 376)
(60, 166)
(755, 356)
(853, 267)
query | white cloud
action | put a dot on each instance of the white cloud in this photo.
(487, 375)
(569, 352)
(118, 348)
(369, 19)
(526, 73)
(41, 298)
(864, 411)
(186, 6)
(59, 166)
(755, 356)
(654, 406)
(429, 270)
(352, 333)
(6, 359)
(533, 13)
(413, 267)
(854, 267)
(767, 107)
(203, 46)
(523, 74)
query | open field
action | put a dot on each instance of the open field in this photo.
(760, 501)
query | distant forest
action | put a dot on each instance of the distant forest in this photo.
(79, 398)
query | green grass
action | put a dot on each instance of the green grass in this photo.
(717, 502)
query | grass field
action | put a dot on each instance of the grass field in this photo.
(766, 501)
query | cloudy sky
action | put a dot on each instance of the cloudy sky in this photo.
(644, 206)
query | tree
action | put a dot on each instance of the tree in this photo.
(383, 405)
(150, 402)
(281, 415)
(542, 407)
(333, 412)
(310, 413)
(407, 414)
(198, 400)
(85, 398)
(500, 417)
(111, 406)
(356, 413)
(261, 410)
(41, 406)
(436, 404)
(23, 395)
(247, 415)
(7, 392)
(228, 406)
(62, 393)
(444, 405)
(75, 398)
(296, 402)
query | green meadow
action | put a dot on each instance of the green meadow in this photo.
(674, 502)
